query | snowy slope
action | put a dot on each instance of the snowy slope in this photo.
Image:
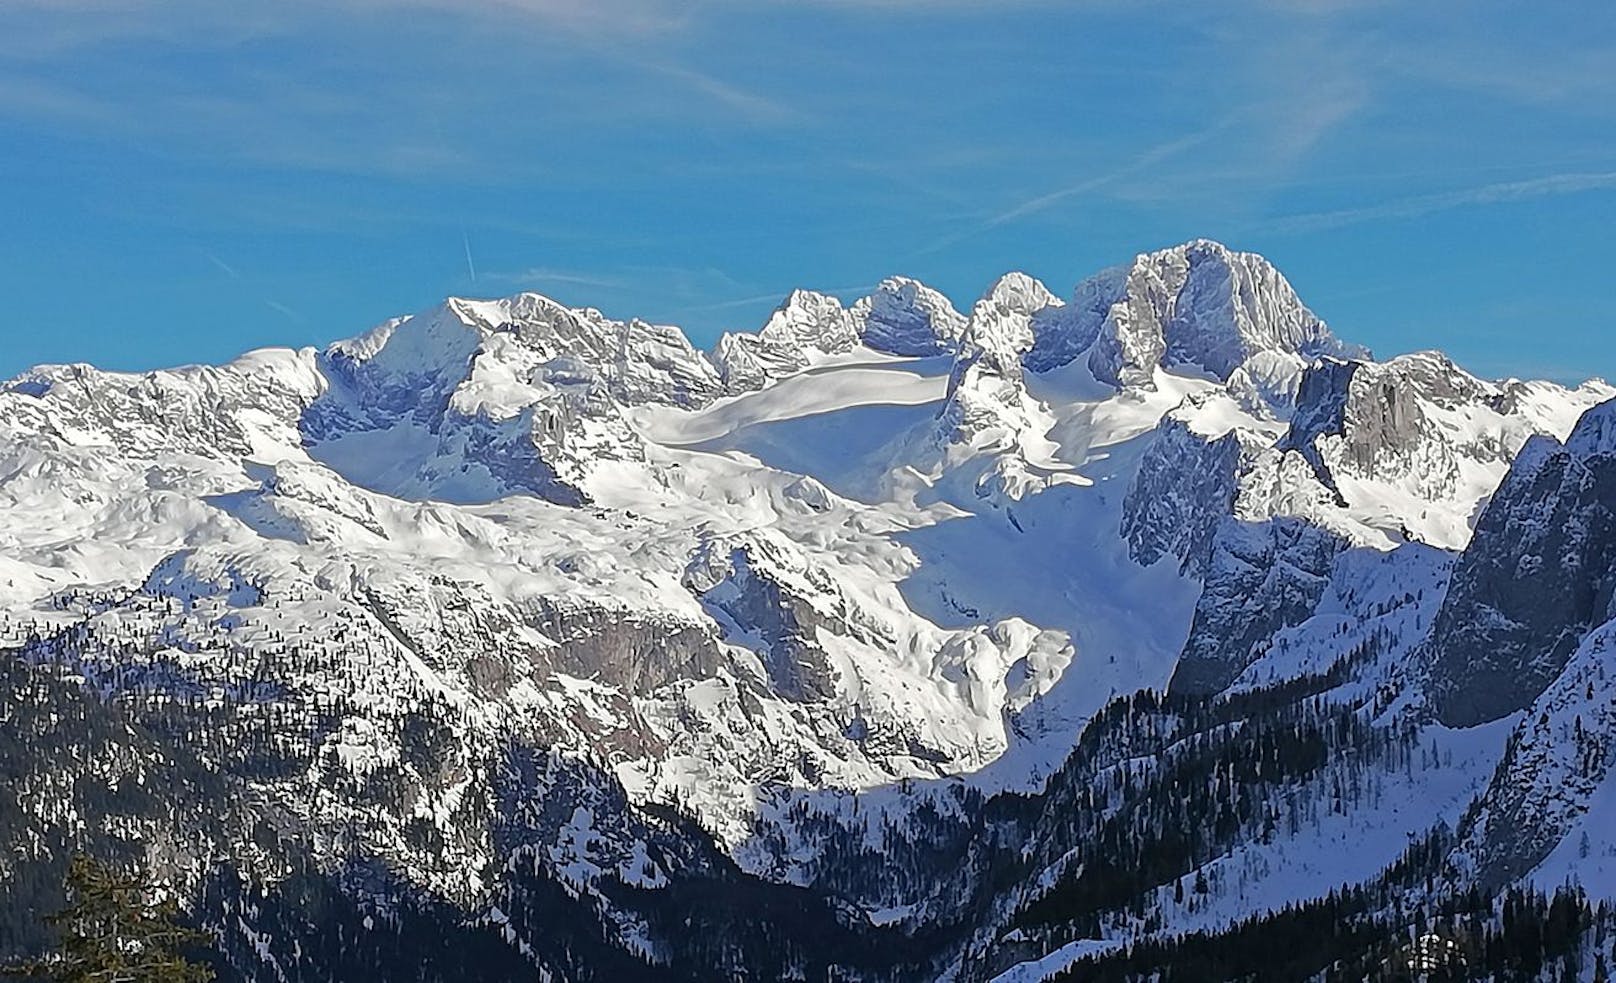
(865, 546)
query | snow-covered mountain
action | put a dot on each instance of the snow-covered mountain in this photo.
(900, 631)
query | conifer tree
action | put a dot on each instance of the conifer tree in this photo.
(114, 931)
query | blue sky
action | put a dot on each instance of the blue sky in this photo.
(181, 181)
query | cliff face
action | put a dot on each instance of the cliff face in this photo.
(1199, 305)
(1537, 576)
(1261, 579)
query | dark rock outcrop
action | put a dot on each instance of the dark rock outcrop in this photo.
(1185, 487)
(1262, 577)
(1537, 575)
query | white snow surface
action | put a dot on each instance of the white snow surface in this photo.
(933, 499)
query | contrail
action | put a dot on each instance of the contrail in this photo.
(470, 267)
(1152, 156)
(1487, 194)
(275, 305)
(228, 270)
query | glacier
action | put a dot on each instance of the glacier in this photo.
(501, 585)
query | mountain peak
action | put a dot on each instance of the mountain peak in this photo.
(905, 317)
(814, 319)
(1595, 433)
(1005, 322)
(1198, 305)
(806, 324)
(1019, 292)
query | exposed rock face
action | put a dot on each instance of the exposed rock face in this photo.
(906, 317)
(1411, 421)
(1362, 440)
(1321, 409)
(985, 386)
(806, 324)
(1003, 323)
(788, 625)
(480, 354)
(1538, 574)
(1063, 340)
(1383, 412)
(634, 651)
(1555, 761)
(902, 317)
(1183, 491)
(525, 389)
(988, 410)
(1364, 435)
(1261, 577)
(636, 361)
(214, 411)
(765, 589)
(1200, 305)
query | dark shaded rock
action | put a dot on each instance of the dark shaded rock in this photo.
(1538, 574)
(1185, 487)
(787, 626)
(1321, 408)
(621, 649)
(1262, 577)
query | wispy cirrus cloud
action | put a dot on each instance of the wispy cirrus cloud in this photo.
(1575, 73)
(747, 103)
(230, 271)
(1418, 205)
(1157, 154)
(539, 275)
(357, 111)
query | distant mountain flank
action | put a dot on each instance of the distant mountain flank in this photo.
(1114, 631)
